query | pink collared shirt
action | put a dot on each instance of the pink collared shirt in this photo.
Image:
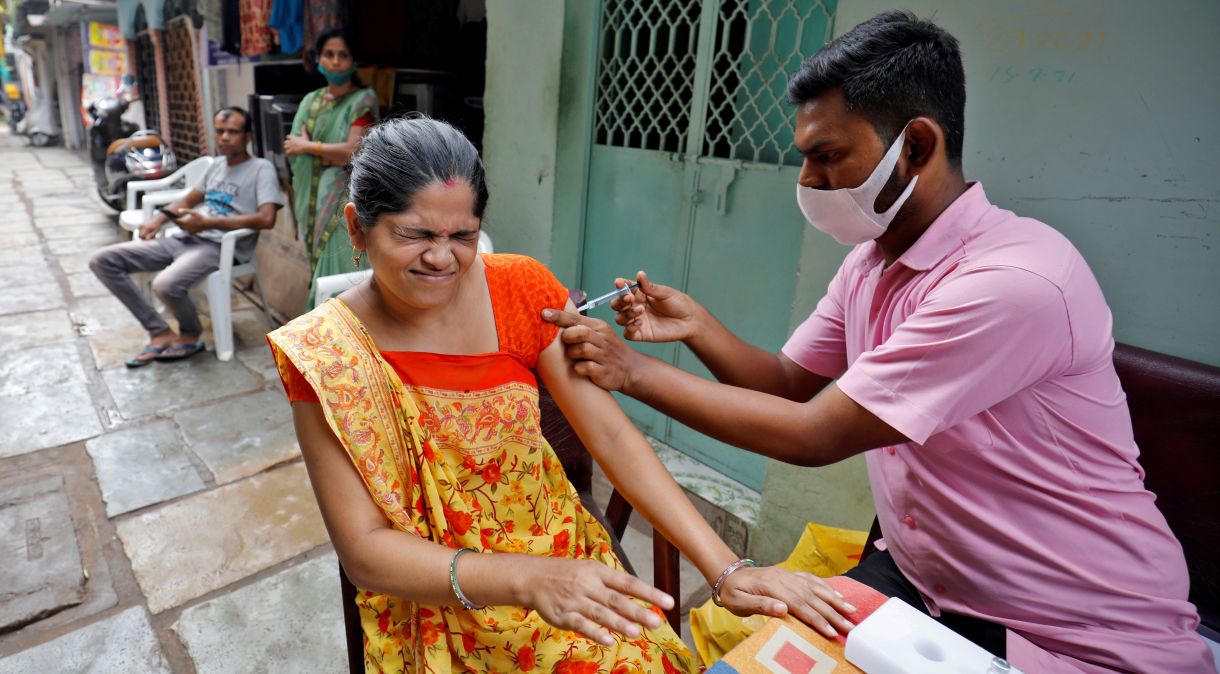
(1020, 498)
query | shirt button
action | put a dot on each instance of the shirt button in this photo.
(938, 588)
(909, 521)
(891, 451)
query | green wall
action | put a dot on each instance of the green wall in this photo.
(1098, 118)
(1112, 140)
(521, 105)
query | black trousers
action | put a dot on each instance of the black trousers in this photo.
(879, 572)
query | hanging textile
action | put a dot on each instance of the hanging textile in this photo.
(213, 21)
(288, 19)
(230, 13)
(255, 31)
(319, 16)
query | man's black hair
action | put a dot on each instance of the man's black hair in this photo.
(246, 122)
(892, 68)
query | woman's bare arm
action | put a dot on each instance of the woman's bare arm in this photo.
(634, 469)
(584, 596)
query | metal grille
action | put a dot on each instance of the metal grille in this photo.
(759, 44)
(646, 73)
(186, 116)
(146, 67)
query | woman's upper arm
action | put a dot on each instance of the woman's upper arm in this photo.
(593, 412)
(354, 134)
(347, 509)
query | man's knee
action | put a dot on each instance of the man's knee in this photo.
(103, 260)
(170, 287)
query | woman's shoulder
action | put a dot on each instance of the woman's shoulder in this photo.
(309, 97)
(297, 329)
(519, 270)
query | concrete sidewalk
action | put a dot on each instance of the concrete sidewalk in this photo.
(151, 520)
(157, 519)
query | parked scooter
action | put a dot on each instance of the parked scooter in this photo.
(121, 153)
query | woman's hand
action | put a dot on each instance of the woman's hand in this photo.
(301, 144)
(773, 591)
(589, 597)
(655, 313)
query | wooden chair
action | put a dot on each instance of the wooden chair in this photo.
(578, 465)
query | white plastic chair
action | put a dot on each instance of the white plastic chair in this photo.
(329, 286)
(219, 289)
(160, 192)
(218, 286)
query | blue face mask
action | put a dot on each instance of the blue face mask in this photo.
(339, 77)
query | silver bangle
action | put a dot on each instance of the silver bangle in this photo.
(453, 583)
(725, 574)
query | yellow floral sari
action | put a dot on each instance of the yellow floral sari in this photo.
(450, 449)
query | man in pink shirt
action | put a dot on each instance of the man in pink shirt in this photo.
(967, 352)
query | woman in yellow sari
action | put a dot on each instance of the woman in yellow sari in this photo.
(416, 408)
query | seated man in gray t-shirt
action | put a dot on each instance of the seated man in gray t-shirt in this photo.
(237, 192)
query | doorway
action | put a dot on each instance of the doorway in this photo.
(692, 172)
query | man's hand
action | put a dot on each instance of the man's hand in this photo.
(655, 313)
(596, 350)
(150, 227)
(193, 221)
(298, 144)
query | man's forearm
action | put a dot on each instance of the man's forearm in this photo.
(249, 221)
(758, 422)
(734, 361)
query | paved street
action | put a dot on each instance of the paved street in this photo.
(151, 520)
(158, 519)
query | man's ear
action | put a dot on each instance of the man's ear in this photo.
(924, 140)
(354, 230)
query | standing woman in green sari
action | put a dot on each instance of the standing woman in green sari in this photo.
(325, 133)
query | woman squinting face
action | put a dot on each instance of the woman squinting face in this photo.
(421, 254)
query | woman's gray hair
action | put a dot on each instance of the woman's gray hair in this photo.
(403, 155)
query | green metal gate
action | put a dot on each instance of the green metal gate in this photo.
(692, 171)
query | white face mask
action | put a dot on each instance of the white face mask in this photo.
(847, 214)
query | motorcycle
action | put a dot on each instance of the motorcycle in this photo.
(120, 152)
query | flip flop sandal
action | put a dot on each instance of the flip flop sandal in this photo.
(137, 361)
(179, 351)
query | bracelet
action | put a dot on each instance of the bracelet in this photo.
(319, 148)
(725, 574)
(457, 591)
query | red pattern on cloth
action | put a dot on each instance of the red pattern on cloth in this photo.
(255, 31)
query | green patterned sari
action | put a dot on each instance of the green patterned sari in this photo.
(320, 192)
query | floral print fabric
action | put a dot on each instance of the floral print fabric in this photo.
(450, 449)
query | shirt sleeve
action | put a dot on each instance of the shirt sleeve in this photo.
(201, 183)
(267, 185)
(364, 120)
(820, 343)
(973, 342)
